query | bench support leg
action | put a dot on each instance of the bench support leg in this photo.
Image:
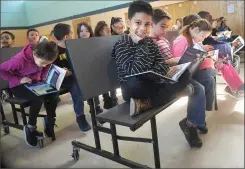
(2, 112)
(94, 124)
(215, 96)
(16, 121)
(22, 110)
(155, 142)
(114, 139)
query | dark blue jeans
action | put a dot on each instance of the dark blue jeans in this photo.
(206, 78)
(160, 94)
(77, 98)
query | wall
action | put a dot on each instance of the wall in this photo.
(13, 14)
(176, 9)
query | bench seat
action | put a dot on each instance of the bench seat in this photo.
(120, 115)
(15, 100)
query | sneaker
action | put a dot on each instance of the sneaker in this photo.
(82, 123)
(203, 130)
(49, 124)
(138, 105)
(31, 135)
(236, 95)
(191, 134)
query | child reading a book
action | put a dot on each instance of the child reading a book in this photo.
(136, 53)
(192, 34)
(31, 66)
(161, 21)
(63, 32)
(84, 30)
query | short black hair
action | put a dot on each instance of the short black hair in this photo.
(139, 6)
(159, 14)
(61, 30)
(10, 34)
(47, 51)
(31, 30)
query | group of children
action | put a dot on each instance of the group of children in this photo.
(141, 48)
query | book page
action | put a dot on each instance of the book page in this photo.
(180, 70)
(56, 76)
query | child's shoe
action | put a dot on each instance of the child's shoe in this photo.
(138, 106)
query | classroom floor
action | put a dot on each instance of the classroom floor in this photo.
(222, 147)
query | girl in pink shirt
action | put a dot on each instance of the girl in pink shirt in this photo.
(193, 33)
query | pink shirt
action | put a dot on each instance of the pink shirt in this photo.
(178, 49)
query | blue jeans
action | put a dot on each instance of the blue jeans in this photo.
(160, 94)
(206, 78)
(77, 98)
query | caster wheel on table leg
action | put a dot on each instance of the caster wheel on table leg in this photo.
(75, 154)
(6, 130)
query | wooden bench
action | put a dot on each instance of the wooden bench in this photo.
(95, 73)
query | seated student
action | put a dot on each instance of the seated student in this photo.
(7, 39)
(178, 25)
(161, 21)
(31, 66)
(85, 31)
(191, 34)
(102, 29)
(63, 32)
(223, 26)
(33, 37)
(135, 53)
(117, 26)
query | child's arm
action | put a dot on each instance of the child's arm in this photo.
(9, 68)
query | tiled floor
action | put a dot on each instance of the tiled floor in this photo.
(222, 147)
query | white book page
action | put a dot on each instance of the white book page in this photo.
(182, 68)
(61, 77)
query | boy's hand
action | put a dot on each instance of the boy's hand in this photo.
(25, 80)
(68, 72)
(135, 38)
(208, 47)
(172, 71)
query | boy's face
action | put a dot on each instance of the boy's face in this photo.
(197, 35)
(160, 28)
(33, 37)
(69, 36)
(6, 41)
(140, 24)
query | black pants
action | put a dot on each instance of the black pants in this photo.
(50, 103)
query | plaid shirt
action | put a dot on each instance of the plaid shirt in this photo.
(164, 47)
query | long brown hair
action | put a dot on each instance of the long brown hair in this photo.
(202, 24)
(87, 26)
(99, 27)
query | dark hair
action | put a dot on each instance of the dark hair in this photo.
(99, 27)
(139, 6)
(202, 24)
(88, 28)
(187, 20)
(31, 30)
(61, 30)
(160, 14)
(181, 21)
(205, 15)
(46, 51)
(9, 33)
(113, 21)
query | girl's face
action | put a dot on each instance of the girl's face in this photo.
(197, 35)
(84, 33)
(33, 37)
(41, 62)
(118, 28)
(106, 31)
(178, 23)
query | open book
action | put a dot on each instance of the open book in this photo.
(237, 44)
(52, 83)
(158, 78)
(214, 54)
(226, 34)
